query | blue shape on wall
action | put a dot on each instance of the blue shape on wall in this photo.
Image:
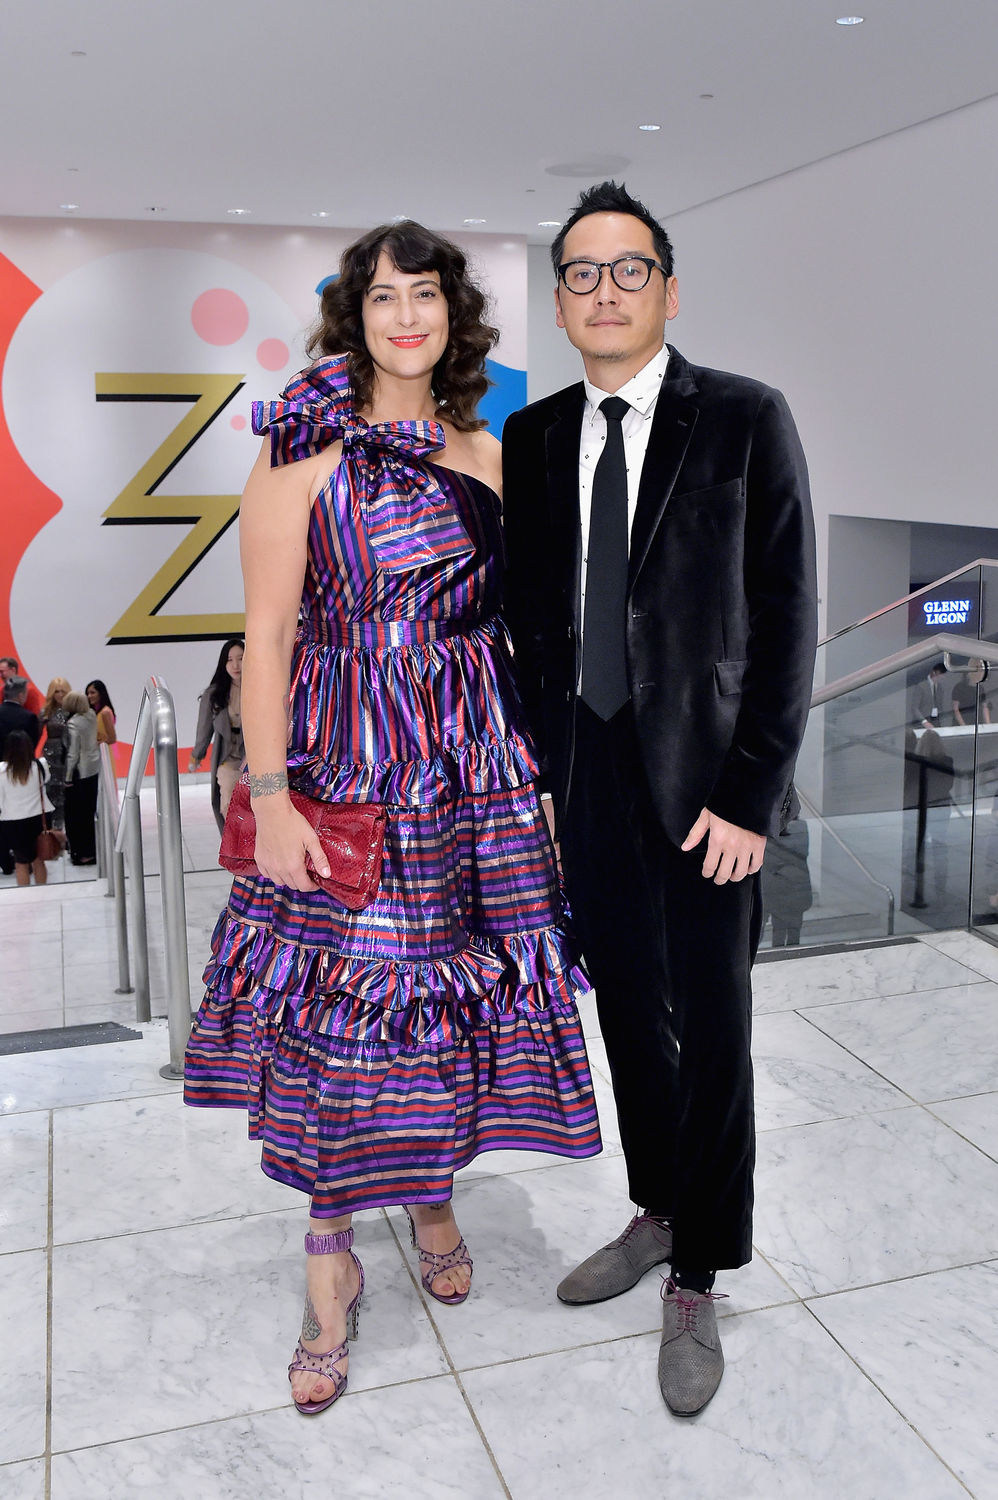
(325, 282)
(508, 394)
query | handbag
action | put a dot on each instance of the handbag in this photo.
(352, 835)
(51, 841)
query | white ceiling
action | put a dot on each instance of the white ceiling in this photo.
(449, 111)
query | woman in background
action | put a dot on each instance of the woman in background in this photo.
(22, 798)
(54, 719)
(100, 702)
(220, 725)
(82, 766)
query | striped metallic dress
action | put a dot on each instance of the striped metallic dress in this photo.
(378, 1051)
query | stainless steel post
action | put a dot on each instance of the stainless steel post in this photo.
(130, 840)
(171, 866)
(121, 925)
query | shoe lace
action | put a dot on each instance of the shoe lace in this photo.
(688, 1307)
(660, 1227)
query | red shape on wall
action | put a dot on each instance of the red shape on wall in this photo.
(26, 504)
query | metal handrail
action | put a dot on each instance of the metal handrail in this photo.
(929, 588)
(891, 903)
(156, 729)
(112, 864)
(910, 656)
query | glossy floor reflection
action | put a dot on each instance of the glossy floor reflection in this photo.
(151, 1278)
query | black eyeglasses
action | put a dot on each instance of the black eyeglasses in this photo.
(630, 273)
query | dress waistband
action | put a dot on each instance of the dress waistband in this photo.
(375, 633)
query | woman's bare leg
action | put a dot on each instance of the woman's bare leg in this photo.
(437, 1230)
(39, 871)
(22, 874)
(332, 1285)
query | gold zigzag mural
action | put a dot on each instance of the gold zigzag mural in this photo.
(138, 505)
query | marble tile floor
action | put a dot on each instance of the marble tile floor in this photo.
(151, 1280)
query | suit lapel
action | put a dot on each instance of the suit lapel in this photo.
(671, 430)
(562, 457)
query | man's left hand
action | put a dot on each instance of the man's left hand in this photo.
(732, 852)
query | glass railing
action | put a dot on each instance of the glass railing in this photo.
(898, 776)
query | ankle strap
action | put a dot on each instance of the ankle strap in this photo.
(328, 1244)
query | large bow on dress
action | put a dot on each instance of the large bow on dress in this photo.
(409, 519)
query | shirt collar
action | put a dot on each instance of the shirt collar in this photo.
(641, 391)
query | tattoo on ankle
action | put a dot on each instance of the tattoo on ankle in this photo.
(310, 1325)
(268, 784)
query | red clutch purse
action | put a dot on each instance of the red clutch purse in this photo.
(352, 835)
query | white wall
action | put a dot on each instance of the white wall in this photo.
(865, 288)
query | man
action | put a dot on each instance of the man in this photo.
(930, 705)
(14, 715)
(33, 702)
(661, 598)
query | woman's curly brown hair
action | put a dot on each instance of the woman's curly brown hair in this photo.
(459, 379)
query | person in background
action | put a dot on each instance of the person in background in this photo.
(9, 667)
(15, 715)
(965, 695)
(930, 706)
(54, 720)
(82, 767)
(100, 702)
(22, 798)
(220, 725)
(786, 883)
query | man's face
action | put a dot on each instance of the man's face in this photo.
(6, 670)
(616, 332)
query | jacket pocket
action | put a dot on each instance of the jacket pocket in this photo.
(729, 674)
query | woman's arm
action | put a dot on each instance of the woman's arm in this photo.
(957, 715)
(202, 735)
(108, 734)
(273, 538)
(73, 750)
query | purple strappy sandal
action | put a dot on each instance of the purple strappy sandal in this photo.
(325, 1364)
(437, 1264)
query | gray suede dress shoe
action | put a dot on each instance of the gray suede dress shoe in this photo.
(646, 1242)
(690, 1361)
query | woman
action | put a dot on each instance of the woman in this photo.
(220, 725)
(386, 1048)
(54, 719)
(82, 767)
(100, 702)
(22, 798)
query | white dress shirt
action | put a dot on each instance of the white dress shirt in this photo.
(641, 394)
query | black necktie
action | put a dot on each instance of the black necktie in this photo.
(604, 664)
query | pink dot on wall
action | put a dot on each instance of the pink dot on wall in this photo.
(220, 316)
(238, 423)
(273, 354)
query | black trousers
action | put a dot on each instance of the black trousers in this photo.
(669, 954)
(81, 809)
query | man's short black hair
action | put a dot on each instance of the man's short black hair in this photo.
(613, 198)
(938, 666)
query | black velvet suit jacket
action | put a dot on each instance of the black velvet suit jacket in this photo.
(721, 608)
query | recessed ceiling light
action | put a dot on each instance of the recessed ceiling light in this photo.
(68, 208)
(77, 54)
(238, 212)
(548, 223)
(649, 127)
(320, 213)
(706, 96)
(476, 221)
(849, 20)
(155, 208)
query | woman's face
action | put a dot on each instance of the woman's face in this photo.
(234, 663)
(406, 324)
(57, 696)
(93, 697)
